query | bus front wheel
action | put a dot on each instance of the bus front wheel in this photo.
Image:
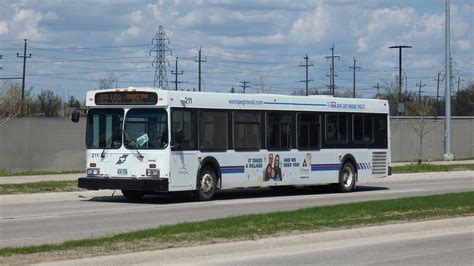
(347, 177)
(133, 194)
(206, 185)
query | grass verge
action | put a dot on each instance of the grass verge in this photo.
(9, 173)
(37, 187)
(421, 168)
(253, 227)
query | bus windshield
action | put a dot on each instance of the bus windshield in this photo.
(146, 128)
(104, 128)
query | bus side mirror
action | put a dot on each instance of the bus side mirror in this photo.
(75, 115)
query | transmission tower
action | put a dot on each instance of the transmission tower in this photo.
(159, 62)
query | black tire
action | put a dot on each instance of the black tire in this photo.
(347, 178)
(206, 185)
(133, 194)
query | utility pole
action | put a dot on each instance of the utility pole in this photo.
(200, 60)
(332, 81)
(419, 90)
(438, 111)
(400, 47)
(160, 40)
(306, 65)
(244, 84)
(354, 78)
(176, 73)
(378, 91)
(24, 56)
(447, 86)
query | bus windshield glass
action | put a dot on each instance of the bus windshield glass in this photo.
(146, 129)
(104, 128)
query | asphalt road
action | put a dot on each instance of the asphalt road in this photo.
(39, 222)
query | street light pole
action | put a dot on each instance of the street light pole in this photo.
(400, 47)
(116, 80)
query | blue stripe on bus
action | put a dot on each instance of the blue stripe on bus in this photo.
(232, 169)
(325, 167)
(304, 104)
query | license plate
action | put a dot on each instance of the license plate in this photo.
(121, 171)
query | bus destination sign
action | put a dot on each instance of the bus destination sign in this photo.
(126, 97)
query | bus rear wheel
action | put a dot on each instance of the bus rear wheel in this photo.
(133, 194)
(347, 177)
(206, 185)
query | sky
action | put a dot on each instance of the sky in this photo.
(73, 44)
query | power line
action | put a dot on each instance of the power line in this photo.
(419, 89)
(354, 79)
(378, 90)
(200, 60)
(306, 65)
(245, 84)
(176, 73)
(24, 56)
(160, 40)
(332, 75)
(438, 111)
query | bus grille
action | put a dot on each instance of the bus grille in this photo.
(379, 163)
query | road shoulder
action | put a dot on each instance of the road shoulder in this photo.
(232, 252)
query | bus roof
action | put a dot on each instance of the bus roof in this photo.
(218, 100)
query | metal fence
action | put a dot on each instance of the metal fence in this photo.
(57, 144)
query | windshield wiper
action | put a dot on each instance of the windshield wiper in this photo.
(132, 142)
(109, 140)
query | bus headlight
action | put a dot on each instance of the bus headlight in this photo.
(153, 172)
(93, 171)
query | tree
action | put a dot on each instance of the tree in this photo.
(263, 83)
(421, 126)
(73, 102)
(464, 104)
(108, 82)
(49, 103)
(10, 102)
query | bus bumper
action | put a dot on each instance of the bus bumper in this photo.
(95, 183)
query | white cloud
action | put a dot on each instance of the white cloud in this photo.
(51, 16)
(26, 23)
(464, 45)
(131, 32)
(386, 24)
(313, 26)
(3, 27)
(136, 16)
(273, 39)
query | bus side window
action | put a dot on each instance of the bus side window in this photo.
(182, 124)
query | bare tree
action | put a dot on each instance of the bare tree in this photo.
(49, 103)
(421, 126)
(263, 83)
(10, 102)
(108, 82)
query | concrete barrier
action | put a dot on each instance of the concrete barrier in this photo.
(32, 144)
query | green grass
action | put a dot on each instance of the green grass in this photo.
(20, 173)
(37, 187)
(421, 168)
(257, 226)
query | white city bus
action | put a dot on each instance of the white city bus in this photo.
(147, 140)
